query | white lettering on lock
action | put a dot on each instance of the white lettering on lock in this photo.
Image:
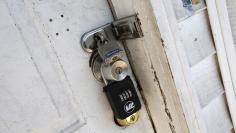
(129, 106)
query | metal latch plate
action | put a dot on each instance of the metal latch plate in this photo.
(122, 29)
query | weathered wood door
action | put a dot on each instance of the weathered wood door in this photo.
(200, 51)
(46, 85)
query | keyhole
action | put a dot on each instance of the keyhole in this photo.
(118, 70)
(132, 118)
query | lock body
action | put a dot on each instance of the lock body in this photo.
(110, 65)
(123, 98)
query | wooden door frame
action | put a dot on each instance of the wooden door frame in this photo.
(166, 21)
(151, 67)
(222, 34)
(219, 22)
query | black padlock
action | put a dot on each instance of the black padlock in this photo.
(123, 98)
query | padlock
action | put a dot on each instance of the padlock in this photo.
(124, 101)
(119, 89)
(121, 93)
(109, 65)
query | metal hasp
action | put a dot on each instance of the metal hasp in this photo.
(110, 65)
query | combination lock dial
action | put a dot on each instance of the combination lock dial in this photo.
(110, 65)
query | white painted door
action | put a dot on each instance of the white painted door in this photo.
(46, 85)
(231, 4)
